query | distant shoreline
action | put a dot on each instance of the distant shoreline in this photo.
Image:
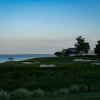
(19, 57)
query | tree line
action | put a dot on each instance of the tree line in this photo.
(81, 47)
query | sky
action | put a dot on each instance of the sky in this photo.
(47, 26)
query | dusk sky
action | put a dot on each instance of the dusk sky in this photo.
(46, 26)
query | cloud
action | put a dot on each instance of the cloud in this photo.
(34, 46)
(39, 46)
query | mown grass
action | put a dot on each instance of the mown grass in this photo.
(86, 96)
(15, 75)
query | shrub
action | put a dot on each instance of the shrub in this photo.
(62, 91)
(20, 93)
(93, 88)
(48, 93)
(38, 92)
(83, 88)
(74, 89)
(4, 95)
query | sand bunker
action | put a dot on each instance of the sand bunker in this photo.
(82, 60)
(96, 63)
(86, 60)
(27, 62)
(48, 65)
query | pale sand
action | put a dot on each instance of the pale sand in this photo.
(48, 65)
(27, 62)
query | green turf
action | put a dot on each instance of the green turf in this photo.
(86, 96)
(15, 75)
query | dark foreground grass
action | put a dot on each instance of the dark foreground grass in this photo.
(86, 96)
(14, 75)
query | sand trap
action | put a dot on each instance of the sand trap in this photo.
(78, 60)
(27, 62)
(82, 60)
(96, 63)
(48, 65)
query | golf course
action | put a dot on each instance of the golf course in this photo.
(51, 78)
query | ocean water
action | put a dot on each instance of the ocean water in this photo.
(19, 57)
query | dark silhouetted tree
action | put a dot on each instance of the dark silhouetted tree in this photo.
(97, 49)
(65, 52)
(58, 54)
(86, 47)
(81, 45)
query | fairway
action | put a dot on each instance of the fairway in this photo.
(88, 96)
(69, 80)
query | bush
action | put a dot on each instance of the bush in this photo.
(4, 95)
(20, 93)
(62, 91)
(38, 92)
(83, 88)
(92, 88)
(74, 89)
(48, 93)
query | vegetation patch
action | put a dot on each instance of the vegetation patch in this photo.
(31, 80)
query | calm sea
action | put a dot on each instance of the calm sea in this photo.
(18, 57)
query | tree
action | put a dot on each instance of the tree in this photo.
(97, 49)
(86, 47)
(81, 45)
(65, 52)
(58, 54)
